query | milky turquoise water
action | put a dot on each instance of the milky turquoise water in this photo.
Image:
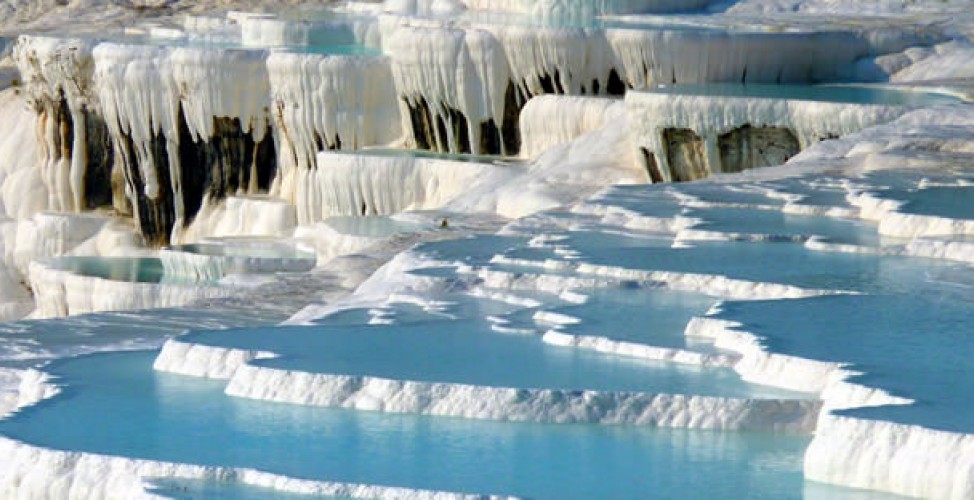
(857, 94)
(115, 404)
(916, 345)
(131, 269)
(431, 348)
(906, 328)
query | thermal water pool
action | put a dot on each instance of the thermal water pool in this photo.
(115, 404)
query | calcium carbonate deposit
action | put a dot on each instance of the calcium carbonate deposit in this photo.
(486, 249)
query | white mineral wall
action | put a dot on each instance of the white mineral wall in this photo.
(50, 234)
(450, 70)
(142, 91)
(52, 70)
(534, 405)
(237, 216)
(902, 459)
(651, 114)
(572, 61)
(547, 121)
(873, 454)
(33, 472)
(60, 293)
(638, 351)
(202, 267)
(653, 57)
(22, 190)
(270, 31)
(573, 9)
(348, 184)
(328, 102)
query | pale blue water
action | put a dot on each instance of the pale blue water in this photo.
(776, 223)
(910, 335)
(853, 94)
(822, 191)
(472, 250)
(952, 202)
(722, 193)
(655, 202)
(916, 345)
(642, 315)
(373, 226)
(29, 342)
(114, 404)
(131, 269)
(428, 347)
(245, 249)
(422, 153)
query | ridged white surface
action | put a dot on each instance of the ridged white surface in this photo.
(34, 472)
(348, 184)
(651, 114)
(535, 405)
(323, 101)
(549, 120)
(640, 351)
(60, 293)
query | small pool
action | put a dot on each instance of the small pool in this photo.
(433, 155)
(245, 248)
(953, 202)
(129, 269)
(776, 223)
(916, 346)
(372, 226)
(463, 349)
(642, 315)
(115, 404)
(853, 94)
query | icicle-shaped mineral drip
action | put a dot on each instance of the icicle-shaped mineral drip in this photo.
(163, 104)
(138, 102)
(556, 60)
(57, 76)
(655, 57)
(220, 83)
(357, 185)
(449, 82)
(328, 102)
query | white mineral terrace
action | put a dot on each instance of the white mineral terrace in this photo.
(460, 185)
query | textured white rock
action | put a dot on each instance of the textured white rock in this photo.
(33, 472)
(450, 70)
(535, 405)
(349, 184)
(197, 360)
(22, 190)
(328, 102)
(241, 216)
(55, 69)
(902, 459)
(549, 120)
(220, 259)
(641, 351)
(143, 89)
(22, 388)
(61, 293)
(651, 114)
